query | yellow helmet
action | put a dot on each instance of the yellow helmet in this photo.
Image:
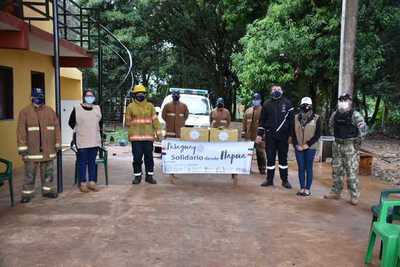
(139, 89)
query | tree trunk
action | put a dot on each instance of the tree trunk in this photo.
(371, 122)
(365, 106)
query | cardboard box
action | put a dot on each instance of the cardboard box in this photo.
(223, 135)
(195, 134)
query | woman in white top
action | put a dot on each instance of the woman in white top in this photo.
(85, 119)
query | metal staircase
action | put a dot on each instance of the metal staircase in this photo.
(81, 26)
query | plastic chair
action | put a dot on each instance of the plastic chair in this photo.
(388, 233)
(394, 214)
(8, 175)
(102, 159)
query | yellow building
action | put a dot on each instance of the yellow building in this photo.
(26, 61)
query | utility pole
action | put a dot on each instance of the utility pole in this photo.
(56, 51)
(347, 46)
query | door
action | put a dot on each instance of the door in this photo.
(66, 108)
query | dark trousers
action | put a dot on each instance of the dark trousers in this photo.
(280, 147)
(305, 162)
(142, 149)
(86, 158)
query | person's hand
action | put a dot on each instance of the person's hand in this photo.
(259, 139)
(305, 147)
(158, 136)
(299, 148)
(23, 153)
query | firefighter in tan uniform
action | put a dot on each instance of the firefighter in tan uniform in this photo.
(38, 138)
(249, 130)
(220, 117)
(175, 114)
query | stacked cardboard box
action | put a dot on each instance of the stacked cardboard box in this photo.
(224, 135)
(194, 134)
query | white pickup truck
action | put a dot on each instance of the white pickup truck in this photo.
(199, 107)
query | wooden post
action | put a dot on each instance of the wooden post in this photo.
(347, 46)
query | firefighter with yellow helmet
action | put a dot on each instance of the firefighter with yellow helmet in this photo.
(143, 128)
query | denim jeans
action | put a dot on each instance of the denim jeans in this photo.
(86, 158)
(305, 162)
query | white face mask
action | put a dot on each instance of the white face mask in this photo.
(344, 106)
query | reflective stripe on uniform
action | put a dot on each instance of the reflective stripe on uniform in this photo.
(34, 157)
(28, 192)
(181, 115)
(150, 173)
(46, 188)
(141, 138)
(171, 133)
(22, 148)
(171, 114)
(137, 174)
(142, 121)
(270, 167)
(223, 121)
(50, 128)
(58, 145)
(52, 156)
(250, 120)
(31, 129)
(283, 167)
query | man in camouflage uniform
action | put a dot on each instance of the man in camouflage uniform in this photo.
(39, 138)
(349, 128)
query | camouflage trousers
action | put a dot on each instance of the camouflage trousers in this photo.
(261, 156)
(46, 176)
(345, 162)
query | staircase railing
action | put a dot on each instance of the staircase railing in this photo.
(82, 26)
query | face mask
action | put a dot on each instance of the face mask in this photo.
(344, 106)
(220, 105)
(140, 97)
(38, 101)
(305, 108)
(175, 98)
(89, 99)
(256, 103)
(276, 94)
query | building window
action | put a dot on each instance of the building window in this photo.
(37, 79)
(6, 93)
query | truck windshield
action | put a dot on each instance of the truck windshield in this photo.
(197, 105)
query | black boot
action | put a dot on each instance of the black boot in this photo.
(286, 184)
(268, 182)
(25, 200)
(150, 179)
(270, 178)
(50, 195)
(137, 180)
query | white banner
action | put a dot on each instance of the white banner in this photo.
(204, 157)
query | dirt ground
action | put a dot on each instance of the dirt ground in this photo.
(200, 221)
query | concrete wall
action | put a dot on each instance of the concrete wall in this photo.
(22, 63)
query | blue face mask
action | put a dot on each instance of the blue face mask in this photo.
(140, 97)
(89, 99)
(256, 103)
(276, 94)
(38, 101)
